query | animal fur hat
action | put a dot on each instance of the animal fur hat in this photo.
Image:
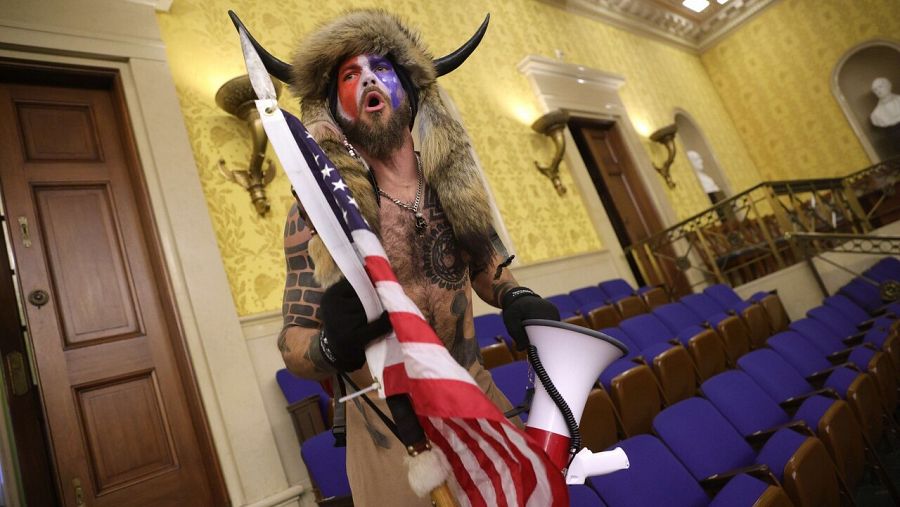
(445, 149)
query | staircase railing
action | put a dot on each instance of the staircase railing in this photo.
(753, 233)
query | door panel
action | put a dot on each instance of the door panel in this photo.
(119, 416)
(87, 262)
(126, 410)
(40, 124)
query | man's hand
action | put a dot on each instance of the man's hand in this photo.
(345, 331)
(520, 304)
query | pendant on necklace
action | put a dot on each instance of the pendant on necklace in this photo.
(420, 223)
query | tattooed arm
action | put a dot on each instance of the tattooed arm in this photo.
(491, 285)
(299, 338)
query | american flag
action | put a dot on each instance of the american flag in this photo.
(492, 462)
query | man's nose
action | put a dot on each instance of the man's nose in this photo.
(368, 78)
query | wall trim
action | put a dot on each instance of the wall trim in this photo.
(282, 498)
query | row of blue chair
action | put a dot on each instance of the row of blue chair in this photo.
(807, 376)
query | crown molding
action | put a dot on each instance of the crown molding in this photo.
(647, 18)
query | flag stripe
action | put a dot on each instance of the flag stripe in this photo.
(501, 475)
(512, 489)
(463, 463)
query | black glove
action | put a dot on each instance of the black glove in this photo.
(520, 304)
(345, 330)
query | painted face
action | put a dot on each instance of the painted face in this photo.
(365, 83)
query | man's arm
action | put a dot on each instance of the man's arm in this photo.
(299, 338)
(491, 285)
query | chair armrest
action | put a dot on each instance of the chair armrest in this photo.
(854, 340)
(524, 407)
(818, 377)
(866, 324)
(758, 438)
(761, 471)
(839, 357)
(639, 360)
(306, 417)
(796, 401)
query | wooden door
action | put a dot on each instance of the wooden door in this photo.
(124, 424)
(625, 198)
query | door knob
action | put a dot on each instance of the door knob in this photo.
(38, 297)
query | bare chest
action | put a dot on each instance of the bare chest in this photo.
(429, 265)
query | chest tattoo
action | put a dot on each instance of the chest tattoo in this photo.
(433, 271)
(442, 262)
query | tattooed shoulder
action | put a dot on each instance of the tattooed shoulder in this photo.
(302, 295)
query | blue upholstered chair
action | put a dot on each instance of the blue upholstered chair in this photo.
(709, 446)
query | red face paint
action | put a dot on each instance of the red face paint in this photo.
(364, 83)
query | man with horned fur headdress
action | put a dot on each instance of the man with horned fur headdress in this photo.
(362, 80)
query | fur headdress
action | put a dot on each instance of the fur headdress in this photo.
(445, 148)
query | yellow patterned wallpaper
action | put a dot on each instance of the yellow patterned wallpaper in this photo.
(775, 73)
(496, 103)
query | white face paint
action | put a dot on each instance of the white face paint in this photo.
(367, 84)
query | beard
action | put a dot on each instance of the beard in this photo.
(377, 136)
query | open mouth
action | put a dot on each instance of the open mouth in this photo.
(373, 102)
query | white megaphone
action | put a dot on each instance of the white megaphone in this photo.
(573, 357)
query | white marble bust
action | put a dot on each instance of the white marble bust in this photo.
(706, 181)
(887, 111)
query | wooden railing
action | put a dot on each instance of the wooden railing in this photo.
(749, 235)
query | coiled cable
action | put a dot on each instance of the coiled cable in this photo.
(541, 373)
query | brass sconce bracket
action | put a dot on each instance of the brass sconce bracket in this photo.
(236, 97)
(553, 125)
(666, 137)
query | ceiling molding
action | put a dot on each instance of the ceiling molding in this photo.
(664, 22)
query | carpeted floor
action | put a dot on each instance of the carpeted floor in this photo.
(872, 493)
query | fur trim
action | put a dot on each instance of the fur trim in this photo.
(427, 471)
(451, 171)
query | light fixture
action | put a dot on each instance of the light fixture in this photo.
(696, 5)
(236, 97)
(666, 137)
(553, 125)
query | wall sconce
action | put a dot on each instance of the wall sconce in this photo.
(666, 137)
(236, 97)
(553, 125)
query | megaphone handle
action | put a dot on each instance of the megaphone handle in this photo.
(571, 423)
